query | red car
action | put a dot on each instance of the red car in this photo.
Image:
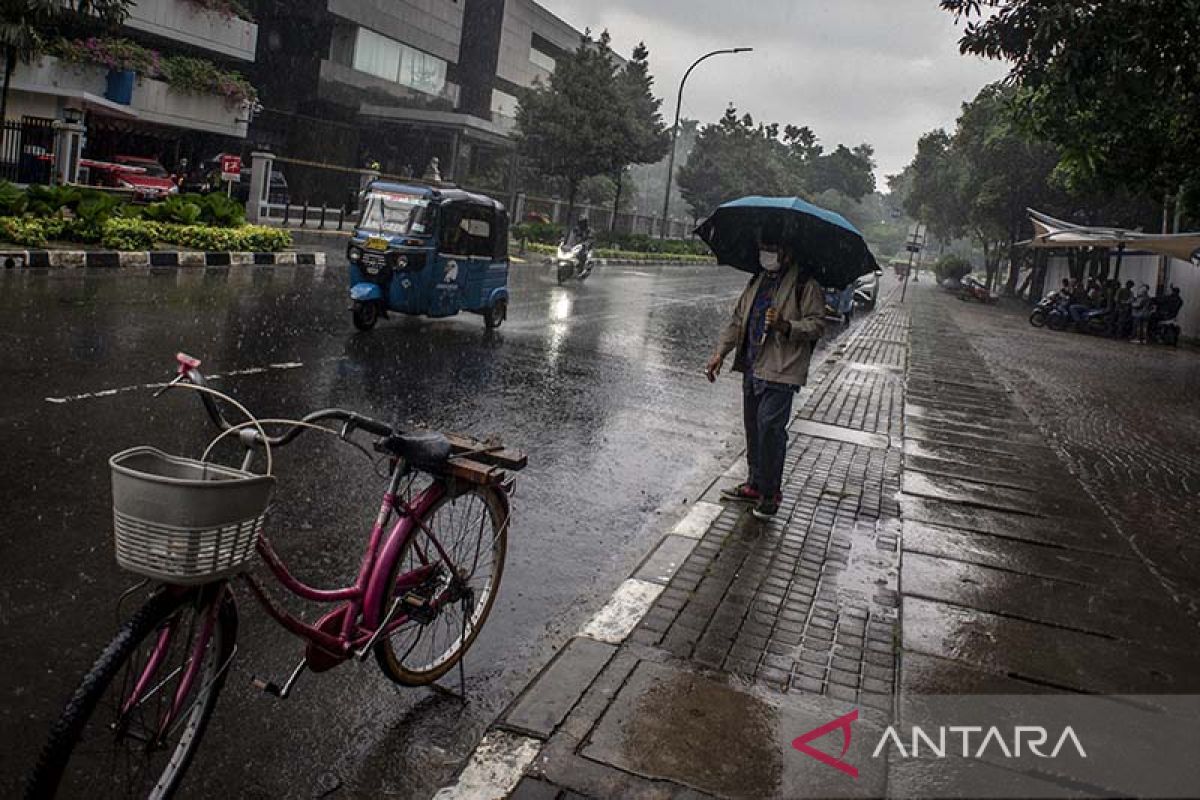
(148, 178)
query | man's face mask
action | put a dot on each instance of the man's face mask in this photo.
(769, 260)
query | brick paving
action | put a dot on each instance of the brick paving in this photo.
(1127, 419)
(930, 541)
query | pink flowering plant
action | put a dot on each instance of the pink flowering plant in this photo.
(116, 54)
(182, 73)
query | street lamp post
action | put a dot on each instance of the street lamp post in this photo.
(675, 127)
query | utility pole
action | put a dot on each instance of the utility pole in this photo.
(916, 242)
(675, 129)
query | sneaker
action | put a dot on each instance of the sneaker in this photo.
(742, 493)
(766, 509)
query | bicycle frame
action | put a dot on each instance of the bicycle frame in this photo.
(356, 624)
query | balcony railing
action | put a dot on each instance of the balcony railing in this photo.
(187, 22)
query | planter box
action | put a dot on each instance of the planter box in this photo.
(157, 102)
(185, 22)
(153, 100)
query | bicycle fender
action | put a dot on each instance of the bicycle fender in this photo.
(375, 601)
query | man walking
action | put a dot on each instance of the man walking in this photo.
(773, 329)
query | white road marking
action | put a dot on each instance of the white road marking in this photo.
(142, 386)
(696, 523)
(495, 768)
(623, 611)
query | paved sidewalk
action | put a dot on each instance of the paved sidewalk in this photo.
(929, 542)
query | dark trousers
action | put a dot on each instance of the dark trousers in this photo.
(766, 413)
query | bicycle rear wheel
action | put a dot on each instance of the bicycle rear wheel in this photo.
(473, 531)
(104, 745)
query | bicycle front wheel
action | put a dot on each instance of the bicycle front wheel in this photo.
(472, 530)
(110, 740)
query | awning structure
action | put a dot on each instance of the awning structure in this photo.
(1054, 233)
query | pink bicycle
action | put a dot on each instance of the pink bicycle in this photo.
(426, 584)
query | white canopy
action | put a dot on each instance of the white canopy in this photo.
(1050, 232)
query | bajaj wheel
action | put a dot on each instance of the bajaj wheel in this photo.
(494, 317)
(365, 316)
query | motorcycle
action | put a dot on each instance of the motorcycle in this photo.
(1041, 312)
(573, 260)
(971, 288)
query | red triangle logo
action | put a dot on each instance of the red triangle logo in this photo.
(842, 723)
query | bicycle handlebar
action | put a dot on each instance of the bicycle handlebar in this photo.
(190, 370)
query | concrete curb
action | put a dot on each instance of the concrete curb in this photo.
(113, 259)
(524, 729)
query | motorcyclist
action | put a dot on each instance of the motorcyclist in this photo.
(581, 234)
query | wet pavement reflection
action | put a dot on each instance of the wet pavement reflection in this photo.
(600, 383)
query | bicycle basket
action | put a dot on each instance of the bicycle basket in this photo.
(184, 521)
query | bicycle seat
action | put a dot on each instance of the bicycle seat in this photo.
(428, 449)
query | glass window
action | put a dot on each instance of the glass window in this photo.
(421, 71)
(504, 104)
(376, 55)
(395, 214)
(543, 60)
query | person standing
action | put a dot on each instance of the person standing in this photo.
(773, 330)
(1141, 312)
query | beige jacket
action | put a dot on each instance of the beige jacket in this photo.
(784, 358)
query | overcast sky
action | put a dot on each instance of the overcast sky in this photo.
(879, 71)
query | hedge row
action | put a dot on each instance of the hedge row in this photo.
(120, 233)
(549, 233)
(624, 255)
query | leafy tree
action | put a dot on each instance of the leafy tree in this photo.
(23, 23)
(1115, 85)
(646, 140)
(573, 127)
(981, 180)
(732, 158)
(850, 172)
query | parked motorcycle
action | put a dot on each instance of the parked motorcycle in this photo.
(973, 289)
(1037, 318)
(573, 260)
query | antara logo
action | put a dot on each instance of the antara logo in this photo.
(944, 742)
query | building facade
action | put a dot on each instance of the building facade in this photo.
(140, 113)
(399, 83)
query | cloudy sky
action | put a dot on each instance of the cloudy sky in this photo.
(879, 71)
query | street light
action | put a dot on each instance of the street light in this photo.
(675, 127)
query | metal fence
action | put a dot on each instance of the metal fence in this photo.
(25, 148)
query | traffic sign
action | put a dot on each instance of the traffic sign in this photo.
(231, 168)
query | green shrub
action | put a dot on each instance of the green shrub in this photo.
(539, 232)
(49, 201)
(952, 266)
(12, 200)
(177, 209)
(25, 232)
(130, 234)
(247, 238)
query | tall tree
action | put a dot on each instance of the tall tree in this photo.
(732, 158)
(572, 127)
(646, 140)
(23, 23)
(850, 172)
(1115, 85)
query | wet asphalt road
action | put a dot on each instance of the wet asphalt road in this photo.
(600, 383)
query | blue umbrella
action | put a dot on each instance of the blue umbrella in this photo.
(823, 242)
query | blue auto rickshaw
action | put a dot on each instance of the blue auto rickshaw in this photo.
(422, 250)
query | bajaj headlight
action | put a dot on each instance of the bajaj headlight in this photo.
(354, 254)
